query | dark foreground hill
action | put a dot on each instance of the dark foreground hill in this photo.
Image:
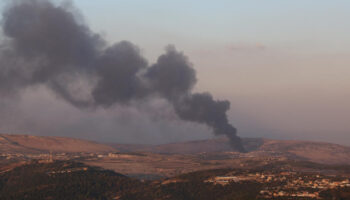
(70, 180)
(62, 180)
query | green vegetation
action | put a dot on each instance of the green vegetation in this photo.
(54, 181)
(339, 194)
(71, 180)
(192, 186)
(194, 190)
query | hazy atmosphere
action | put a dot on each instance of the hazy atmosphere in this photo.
(284, 67)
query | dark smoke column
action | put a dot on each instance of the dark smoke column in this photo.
(46, 45)
(202, 108)
(173, 77)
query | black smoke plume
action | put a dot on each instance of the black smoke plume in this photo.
(45, 44)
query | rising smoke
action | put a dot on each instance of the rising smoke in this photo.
(45, 44)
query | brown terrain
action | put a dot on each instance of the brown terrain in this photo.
(172, 159)
(152, 161)
(37, 144)
(319, 152)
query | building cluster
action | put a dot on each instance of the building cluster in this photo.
(120, 155)
(70, 170)
(286, 184)
(258, 177)
(50, 155)
(9, 156)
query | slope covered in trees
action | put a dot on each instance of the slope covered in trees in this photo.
(70, 180)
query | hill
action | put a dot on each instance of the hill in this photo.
(37, 144)
(320, 152)
(62, 180)
(71, 180)
(74, 180)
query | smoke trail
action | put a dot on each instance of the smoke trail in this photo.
(46, 45)
(202, 108)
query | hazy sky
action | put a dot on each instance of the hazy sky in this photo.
(284, 65)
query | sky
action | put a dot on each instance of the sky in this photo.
(284, 66)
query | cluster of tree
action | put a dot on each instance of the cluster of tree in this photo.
(278, 165)
(194, 190)
(71, 180)
(337, 194)
(192, 186)
(36, 181)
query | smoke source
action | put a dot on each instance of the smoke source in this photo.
(45, 44)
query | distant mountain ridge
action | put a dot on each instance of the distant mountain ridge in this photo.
(192, 147)
(320, 152)
(37, 144)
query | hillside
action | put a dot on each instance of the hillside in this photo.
(36, 144)
(62, 180)
(73, 180)
(319, 152)
(70, 180)
(305, 150)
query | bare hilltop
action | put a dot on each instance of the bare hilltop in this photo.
(37, 144)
